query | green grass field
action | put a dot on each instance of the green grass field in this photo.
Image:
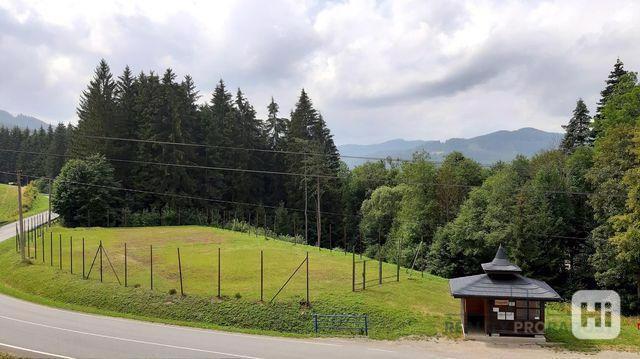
(9, 208)
(416, 306)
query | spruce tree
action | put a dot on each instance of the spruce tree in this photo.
(275, 127)
(95, 113)
(578, 130)
(308, 133)
(614, 78)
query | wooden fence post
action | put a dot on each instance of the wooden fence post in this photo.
(379, 258)
(100, 249)
(364, 274)
(60, 251)
(71, 254)
(398, 264)
(218, 272)
(180, 272)
(125, 264)
(151, 265)
(353, 271)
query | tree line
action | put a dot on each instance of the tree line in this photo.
(568, 216)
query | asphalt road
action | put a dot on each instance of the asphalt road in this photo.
(9, 230)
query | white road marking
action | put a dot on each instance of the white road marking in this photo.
(199, 330)
(127, 339)
(35, 351)
(381, 350)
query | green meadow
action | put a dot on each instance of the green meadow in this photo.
(416, 306)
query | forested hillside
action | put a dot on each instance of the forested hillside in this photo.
(570, 216)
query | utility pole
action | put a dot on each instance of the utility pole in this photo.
(318, 219)
(306, 207)
(20, 217)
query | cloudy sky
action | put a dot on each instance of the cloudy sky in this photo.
(376, 70)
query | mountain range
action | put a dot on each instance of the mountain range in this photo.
(22, 121)
(486, 149)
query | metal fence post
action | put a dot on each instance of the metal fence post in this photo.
(366, 325)
(83, 275)
(308, 302)
(315, 323)
(51, 248)
(261, 275)
(218, 272)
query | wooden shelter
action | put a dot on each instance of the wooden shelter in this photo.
(502, 301)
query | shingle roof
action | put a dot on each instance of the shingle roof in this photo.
(500, 264)
(512, 286)
(501, 280)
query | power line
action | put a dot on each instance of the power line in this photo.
(234, 202)
(253, 149)
(242, 170)
(174, 195)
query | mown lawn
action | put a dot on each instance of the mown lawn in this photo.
(9, 207)
(414, 306)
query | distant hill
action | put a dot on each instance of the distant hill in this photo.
(23, 121)
(486, 149)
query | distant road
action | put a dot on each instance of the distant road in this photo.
(9, 230)
(33, 330)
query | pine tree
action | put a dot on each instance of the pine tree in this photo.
(578, 130)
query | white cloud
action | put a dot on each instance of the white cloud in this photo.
(375, 69)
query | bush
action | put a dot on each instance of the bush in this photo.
(29, 195)
(85, 192)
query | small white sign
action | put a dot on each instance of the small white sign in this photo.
(509, 315)
(496, 309)
(501, 316)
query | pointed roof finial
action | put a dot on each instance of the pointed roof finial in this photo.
(500, 263)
